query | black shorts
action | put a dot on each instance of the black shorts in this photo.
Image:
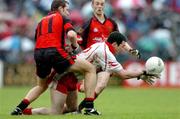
(48, 58)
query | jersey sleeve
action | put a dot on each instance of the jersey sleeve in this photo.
(67, 24)
(115, 26)
(84, 31)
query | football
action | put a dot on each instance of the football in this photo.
(154, 65)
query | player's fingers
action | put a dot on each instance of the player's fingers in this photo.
(150, 82)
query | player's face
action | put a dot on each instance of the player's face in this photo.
(118, 48)
(121, 47)
(98, 6)
(64, 10)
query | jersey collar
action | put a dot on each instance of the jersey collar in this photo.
(52, 12)
(95, 18)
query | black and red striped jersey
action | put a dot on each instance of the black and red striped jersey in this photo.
(94, 31)
(51, 30)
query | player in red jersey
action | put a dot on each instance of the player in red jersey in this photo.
(50, 54)
(97, 29)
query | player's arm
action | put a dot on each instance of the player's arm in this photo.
(116, 68)
(84, 32)
(125, 74)
(128, 48)
(143, 75)
(71, 34)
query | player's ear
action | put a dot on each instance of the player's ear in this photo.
(114, 44)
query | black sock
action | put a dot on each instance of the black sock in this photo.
(89, 104)
(23, 104)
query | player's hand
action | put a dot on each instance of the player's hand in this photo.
(149, 78)
(77, 50)
(135, 52)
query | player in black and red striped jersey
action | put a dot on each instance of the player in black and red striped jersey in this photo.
(50, 54)
(97, 29)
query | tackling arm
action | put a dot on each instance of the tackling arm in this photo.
(72, 36)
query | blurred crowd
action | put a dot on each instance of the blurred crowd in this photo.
(152, 26)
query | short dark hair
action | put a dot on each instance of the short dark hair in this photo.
(116, 37)
(57, 3)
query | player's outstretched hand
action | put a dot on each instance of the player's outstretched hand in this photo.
(149, 78)
(135, 52)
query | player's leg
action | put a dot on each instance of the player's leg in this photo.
(43, 69)
(102, 81)
(90, 75)
(33, 94)
(58, 100)
(89, 83)
(71, 102)
(63, 93)
(39, 111)
(58, 92)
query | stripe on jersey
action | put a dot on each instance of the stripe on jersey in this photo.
(105, 56)
(92, 52)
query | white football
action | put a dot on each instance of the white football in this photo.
(154, 65)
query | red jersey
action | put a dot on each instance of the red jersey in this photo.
(50, 31)
(94, 31)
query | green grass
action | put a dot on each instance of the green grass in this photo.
(114, 103)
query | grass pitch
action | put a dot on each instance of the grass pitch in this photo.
(114, 103)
